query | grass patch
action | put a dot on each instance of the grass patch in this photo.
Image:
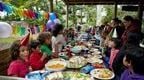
(7, 40)
(5, 43)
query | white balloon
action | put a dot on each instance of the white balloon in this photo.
(57, 21)
(5, 30)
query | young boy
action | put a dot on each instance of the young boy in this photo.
(37, 59)
(134, 61)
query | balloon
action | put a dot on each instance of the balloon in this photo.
(57, 21)
(5, 30)
(52, 16)
(50, 24)
(1, 6)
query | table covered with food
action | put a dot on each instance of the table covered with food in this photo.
(85, 63)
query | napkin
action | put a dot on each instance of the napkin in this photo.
(87, 69)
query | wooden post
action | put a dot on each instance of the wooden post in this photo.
(74, 17)
(56, 2)
(67, 13)
(115, 10)
(51, 5)
(81, 15)
(140, 11)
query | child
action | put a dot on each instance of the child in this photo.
(19, 66)
(58, 40)
(134, 61)
(45, 40)
(37, 59)
(114, 44)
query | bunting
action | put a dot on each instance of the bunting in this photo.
(30, 14)
(22, 30)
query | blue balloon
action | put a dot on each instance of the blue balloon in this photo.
(52, 16)
(50, 25)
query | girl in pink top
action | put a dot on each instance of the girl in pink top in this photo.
(114, 44)
(19, 66)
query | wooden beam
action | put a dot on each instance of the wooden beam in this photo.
(103, 2)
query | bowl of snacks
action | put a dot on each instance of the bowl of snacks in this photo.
(55, 65)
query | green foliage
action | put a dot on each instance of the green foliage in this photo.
(91, 12)
(120, 13)
(110, 13)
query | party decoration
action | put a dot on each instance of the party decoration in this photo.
(28, 13)
(114, 34)
(50, 24)
(44, 28)
(1, 6)
(57, 21)
(52, 16)
(25, 40)
(8, 8)
(46, 15)
(22, 30)
(5, 30)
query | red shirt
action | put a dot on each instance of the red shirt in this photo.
(36, 62)
(19, 68)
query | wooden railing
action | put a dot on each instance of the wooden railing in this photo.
(4, 61)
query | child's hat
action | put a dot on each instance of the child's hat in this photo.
(114, 35)
(25, 40)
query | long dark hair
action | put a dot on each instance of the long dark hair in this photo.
(57, 29)
(14, 50)
(33, 45)
(117, 43)
(136, 58)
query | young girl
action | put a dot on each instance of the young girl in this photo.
(134, 61)
(114, 44)
(19, 66)
(58, 40)
(37, 59)
(45, 40)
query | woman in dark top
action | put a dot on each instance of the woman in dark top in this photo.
(131, 25)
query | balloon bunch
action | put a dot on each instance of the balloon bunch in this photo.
(53, 19)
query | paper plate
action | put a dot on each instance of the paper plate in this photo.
(76, 62)
(102, 74)
(68, 75)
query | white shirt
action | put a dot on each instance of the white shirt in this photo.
(58, 41)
